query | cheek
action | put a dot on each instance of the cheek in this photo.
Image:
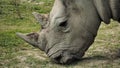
(52, 38)
(81, 38)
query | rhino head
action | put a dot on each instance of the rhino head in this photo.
(68, 31)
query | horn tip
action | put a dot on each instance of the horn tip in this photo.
(19, 34)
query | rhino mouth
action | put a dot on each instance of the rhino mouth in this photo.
(64, 55)
(60, 57)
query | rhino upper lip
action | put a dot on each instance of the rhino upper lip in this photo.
(48, 49)
(62, 49)
(55, 53)
(58, 51)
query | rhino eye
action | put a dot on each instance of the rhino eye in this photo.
(63, 24)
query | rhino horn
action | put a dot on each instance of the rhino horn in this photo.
(41, 18)
(30, 38)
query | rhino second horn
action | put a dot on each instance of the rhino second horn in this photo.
(41, 18)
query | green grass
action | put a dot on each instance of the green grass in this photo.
(15, 53)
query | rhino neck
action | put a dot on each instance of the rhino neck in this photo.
(91, 20)
(108, 9)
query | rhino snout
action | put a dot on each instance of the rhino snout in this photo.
(65, 57)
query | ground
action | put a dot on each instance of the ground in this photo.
(15, 53)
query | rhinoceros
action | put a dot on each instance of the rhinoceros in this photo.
(71, 27)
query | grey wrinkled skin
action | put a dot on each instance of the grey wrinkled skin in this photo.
(71, 27)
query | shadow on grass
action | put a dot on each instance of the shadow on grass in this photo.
(97, 58)
(111, 56)
(83, 60)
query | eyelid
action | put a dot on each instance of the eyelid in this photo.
(67, 30)
(60, 20)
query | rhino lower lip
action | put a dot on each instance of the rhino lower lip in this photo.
(56, 57)
(63, 57)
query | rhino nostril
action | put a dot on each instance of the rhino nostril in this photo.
(58, 58)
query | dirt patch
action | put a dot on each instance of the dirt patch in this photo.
(34, 53)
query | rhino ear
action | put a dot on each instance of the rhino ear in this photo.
(41, 18)
(30, 38)
(103, 10)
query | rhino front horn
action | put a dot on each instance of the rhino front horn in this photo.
(29, 38)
